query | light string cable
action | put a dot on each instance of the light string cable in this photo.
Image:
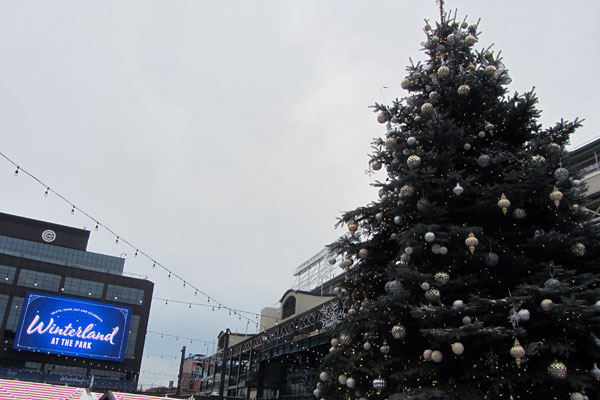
(120, 239)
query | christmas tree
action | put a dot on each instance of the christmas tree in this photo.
(475, 274)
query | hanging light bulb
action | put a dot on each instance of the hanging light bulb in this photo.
(117, 240)
(96, 225)
(46, 192)
(136, 253)
(73, 210)
(17, 171)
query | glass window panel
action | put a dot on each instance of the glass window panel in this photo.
(39, 280)
(132, 338)
(124, 294)
(15, 314)
(7, 274)
(3, 305)
(83, 287)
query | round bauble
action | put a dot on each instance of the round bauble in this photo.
(363, 254)
(464, 25)
(457, 348)
(416, 75)
(576, 396)
(427, 354)
(413, 161)
(467, 146)
(524, 315)
(385, 348)
(578, 249)
(411, 141)
(332, 349)
(347, 262)
(405, 84)
(557, 370)
(442, 278)
(432, 295)
(436, 356)
(427, 108)
(425, 286)
(394, 236)
(551, 283)
(458, 304)
(429, 237)
(336, 290)
(379, 384)
(393, 287)
(435, 40)
(443, 250)
(316, 393)
(489, 127)
(406, 152)
(352, 226)
(466, 320)
(470, 40)
(390, 143)
(443, 72)
(561, 174)
(324, 376)
(435, 249)
(345, 339)
(408, 250)
(379, 217)
(397, 219)
(463, 90)
(491, 259)
(335, 342)
(382, 117)
(538, 160)
(458, 190)
(484, 160)
(481, 134)
(376, 165)
(451, 38)
(422, 204)
(367, 346)
(398, 332)
(576, 182)
(490, 70)
(519, 213)
(342, 379)
(434, 96)
(352, 311)
(331, 260)
(407, 191)
(546, 304)
(350, 382)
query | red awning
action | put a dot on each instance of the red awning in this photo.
(19, 390)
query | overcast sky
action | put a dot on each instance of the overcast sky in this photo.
(224, 138)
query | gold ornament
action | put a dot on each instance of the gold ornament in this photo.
(352, 226)
(442, 278)
(405, 84)
(363, 254)
(351, 311)
(470, 40)
(427, 108)
(376, 165)
(413, 161)
(538, 160)
(346, 263)
(490, 70)
(398, 332)
(432, 295)
(519, 213)
(557, 370)
(472, 67)
(578, 249)
(464, 90)
(390, 143)
(471, 242)
(518, 352)
(407, 191)
(443, 72)
(503, 203)
(556, 196)
(546, 304)
(382, 118)
(345, 339)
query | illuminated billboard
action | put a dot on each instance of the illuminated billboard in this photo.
(64, 325)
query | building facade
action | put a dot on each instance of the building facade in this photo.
(47, 266)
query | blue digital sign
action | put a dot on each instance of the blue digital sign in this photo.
(64, 325)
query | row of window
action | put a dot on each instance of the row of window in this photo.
(80, 287)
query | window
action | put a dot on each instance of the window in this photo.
(83, 287)
(289, 307)
(39, 280)
(14, 314)
(132, 337)
(124, 294)
(65, 370)
(7, 274)
(3, 304)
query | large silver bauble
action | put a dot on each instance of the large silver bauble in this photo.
(436, 356)
(557, 370)
(379, 217)
(393, 287)
(484, 160)
(398, 332)
(561, 174)
(411, 141)
(429, 237)
(324, 376)
(457, 348)
(413, 161)
(524, 315)
(427, 108)
(491, 259)
(432, 295)
(350, 382)
(551, 283)
(443, 72)
(406, 191)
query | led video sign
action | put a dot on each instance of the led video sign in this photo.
(64, 325)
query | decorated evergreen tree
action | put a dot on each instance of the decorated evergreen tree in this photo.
(475, 274)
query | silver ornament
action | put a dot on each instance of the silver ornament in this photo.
(463, 90)
(427, 354)
(546, 304)
(382, 117)
(561, 174)
(595, 371)
(427, 108)
(407, 191)
(457, 348)
(413, 161)
(385, 348)
(332, 260)
(422, 204)
(398, 332)
(425, 286)
(443, 250)
(436, 356)
(489, 127)
(458, 190)
(390, 143)
(411, 141)
(367, 346)
(408, 250)
(397, 219)
(379, 217)
(467, 146)
(484, 160)
(379, 384)
(551, 283)
(458, 304)
(335, 342)
(576, 396)
(345, 339)
(538, 160)
(376, 165)
(443, 72)
(491, 259)
(363, 254)
(324, 376)
(519, 213)
(429, 237)
(481, 134)
(393, 287)
(435, 249)
(350, 382)
(466, 320)
(405, 83)
(490, 70)
(342, 379)
(470, 40)
(524, 315)
(576, 182)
